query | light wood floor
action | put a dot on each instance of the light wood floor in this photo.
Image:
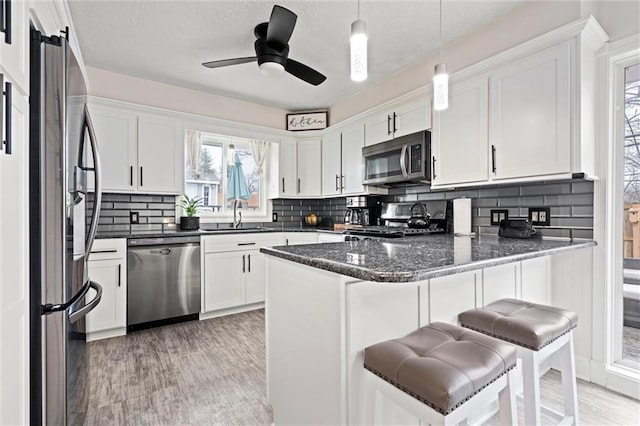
(213, 372)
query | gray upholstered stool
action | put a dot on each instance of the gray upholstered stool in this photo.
(541, 332)
(442, 373)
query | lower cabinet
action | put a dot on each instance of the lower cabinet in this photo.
(297, 238)
(108, 267)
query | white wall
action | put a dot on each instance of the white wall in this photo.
(135, 90)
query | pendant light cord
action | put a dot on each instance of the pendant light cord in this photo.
(359, 9)
(440, 11)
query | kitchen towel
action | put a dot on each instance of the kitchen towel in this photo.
(462, 216)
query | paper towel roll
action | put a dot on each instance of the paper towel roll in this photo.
(462, 216)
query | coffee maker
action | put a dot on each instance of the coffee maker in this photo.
(358, 212)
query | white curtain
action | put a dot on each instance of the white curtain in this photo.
(260, 150)
(194, 145)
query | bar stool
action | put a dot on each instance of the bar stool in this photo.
(541, 333)
(442, 373)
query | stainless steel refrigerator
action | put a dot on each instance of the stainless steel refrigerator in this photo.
(61, 232)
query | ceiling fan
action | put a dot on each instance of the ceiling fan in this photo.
(272, 49)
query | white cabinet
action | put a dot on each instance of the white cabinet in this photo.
(297, 238)
(342, 164)
(233, 270)
(14, 56)
(140, 152)
(499, 282)
(324, 237)
(108, 267)
(460, 138)
(399, 120)
(443, 298)
(287, 168)
(530, 115)
(309, 182)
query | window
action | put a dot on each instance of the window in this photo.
(210, 173)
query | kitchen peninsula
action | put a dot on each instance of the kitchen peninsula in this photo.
(326, 302)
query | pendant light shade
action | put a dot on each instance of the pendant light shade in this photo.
(440, 87)
(358, 50)
(231, 155)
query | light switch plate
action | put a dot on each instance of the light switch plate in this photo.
(498, 215)
(274, 217)
(540, 216)
(134, 217)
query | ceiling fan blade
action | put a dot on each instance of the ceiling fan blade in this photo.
(227, 62)
(304, 72)
(281, 25)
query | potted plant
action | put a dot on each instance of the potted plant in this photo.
(190, 206)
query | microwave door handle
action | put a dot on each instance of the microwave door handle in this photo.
(403, 161)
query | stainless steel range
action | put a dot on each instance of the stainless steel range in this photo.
(394, 220)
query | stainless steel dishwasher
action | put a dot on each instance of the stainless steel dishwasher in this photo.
(163, 280)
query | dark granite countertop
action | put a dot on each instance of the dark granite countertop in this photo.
(176, 232)
(418, 258)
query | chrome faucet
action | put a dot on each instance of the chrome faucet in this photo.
(236, 223)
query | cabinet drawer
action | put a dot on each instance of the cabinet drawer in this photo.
(239, 242)
(109, 248)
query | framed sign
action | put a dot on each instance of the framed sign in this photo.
(307, 121)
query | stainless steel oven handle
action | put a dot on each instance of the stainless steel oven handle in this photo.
(403, 160)
(76, 315)
(97, 179)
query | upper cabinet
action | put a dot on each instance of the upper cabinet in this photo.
(399, 120)
(139, 152)
(309, 182)
(14, 39)
(288, 168)
(528, 117)
(342, 164)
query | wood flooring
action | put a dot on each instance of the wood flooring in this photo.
(213, 373)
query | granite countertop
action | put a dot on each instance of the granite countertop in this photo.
(418, 258)
(176, 232)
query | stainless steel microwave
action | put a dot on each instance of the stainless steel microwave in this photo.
(404, 159)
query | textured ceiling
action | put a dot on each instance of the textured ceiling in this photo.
(167, 41)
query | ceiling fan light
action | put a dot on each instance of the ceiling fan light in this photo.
(358, 50)
(440, 88)
(271, 68)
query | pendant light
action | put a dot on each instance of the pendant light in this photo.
(231, 155)
(358, 49)
(440, 79)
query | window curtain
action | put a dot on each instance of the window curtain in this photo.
(194, 146)
(260, 151)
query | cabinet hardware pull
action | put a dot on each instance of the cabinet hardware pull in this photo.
(130, 175)
(1, 85)
(249, 256)
(119, 273)
(2, 21)
(433, 167)
(395, 129)
(493, 158)
(6, 20)
(7, 117)
(282, 184)
(388, 124)
(140, 175)
(298, 185)
(286, 241)
(246, 244)
(243, 264)
(337, 177)
(342, 182)
(104, 251)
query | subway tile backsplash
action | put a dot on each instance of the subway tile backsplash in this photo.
(155, 212)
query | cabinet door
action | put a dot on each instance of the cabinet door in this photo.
(255, 276)
(378, 129)
(331, 168)
(460, 138)
(413, 117)
(116, 133)
(160, 155)
(224, 281)
(287, 185)
(309, 168)
(297, 238)
(352, 161)
(111, 312)
(14, 57)
(530, 115)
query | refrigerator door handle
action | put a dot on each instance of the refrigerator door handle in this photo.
(50, 308)
(97, 176)
(82, 312)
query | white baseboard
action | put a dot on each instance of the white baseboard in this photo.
(230, 311)
(98, 335)
(616, 378)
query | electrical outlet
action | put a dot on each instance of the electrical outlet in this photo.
(498, 216)
(274, 217)
(540, 216)
(134, 217)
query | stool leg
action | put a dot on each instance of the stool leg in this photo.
(569, 385)
(370, 391)
(531, 381)
(507, 398)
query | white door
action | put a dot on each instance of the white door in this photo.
(224, 281)
(309, 168)
(117, 135)
(352, 161)
(378, 128)
(331, 168)
(255, 276)
(160, 155)
(287, 168)
(530, 115)
(111, 312)
(413, 117)
(460, 138)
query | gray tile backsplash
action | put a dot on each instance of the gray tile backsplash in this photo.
(291, 212)
(156, 212)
